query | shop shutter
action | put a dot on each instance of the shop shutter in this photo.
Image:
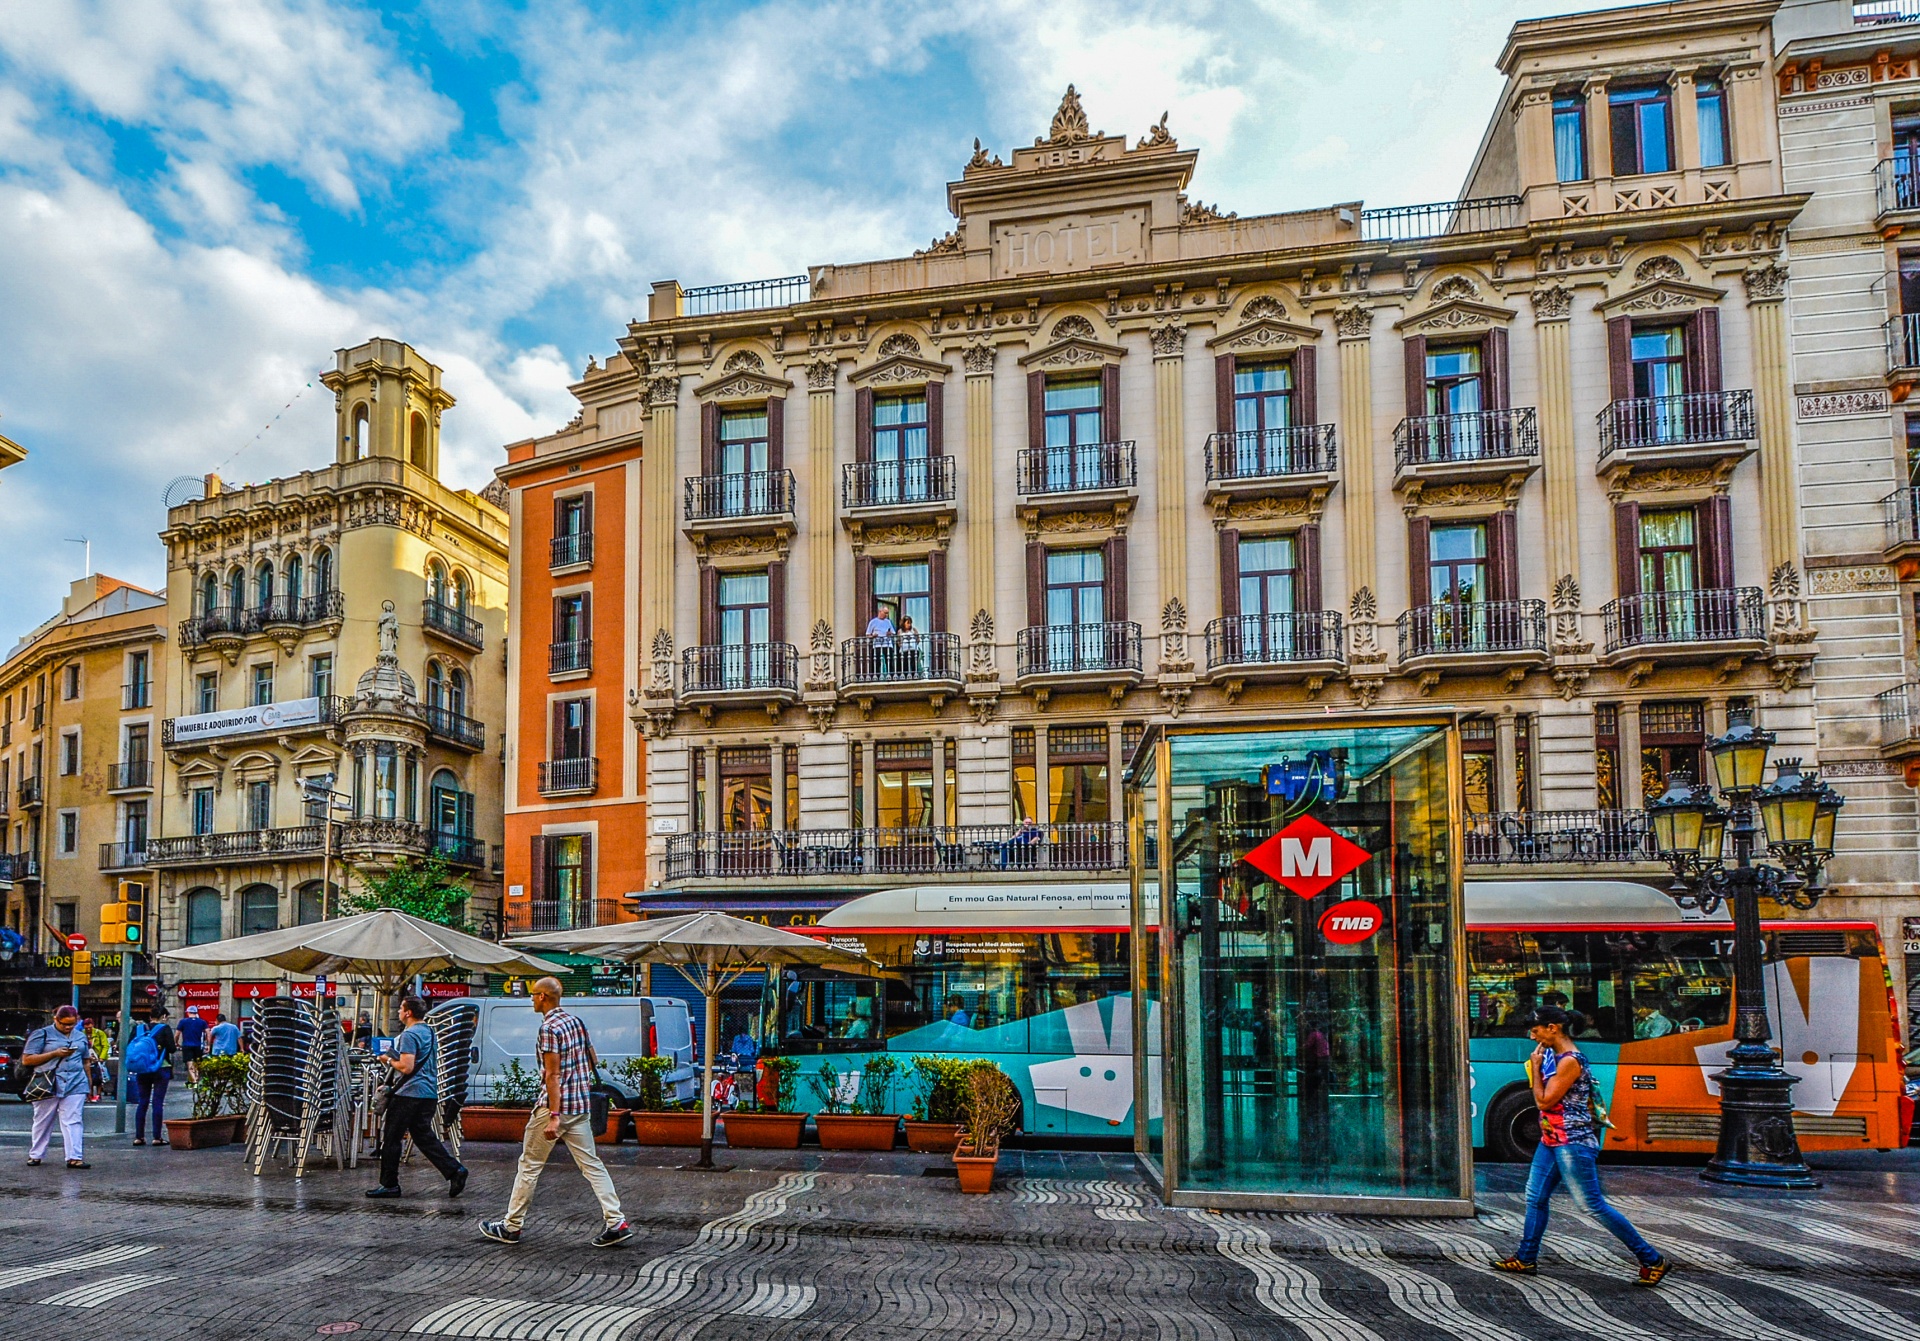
(1229, 574)
(1116, 564)
(777, 436)
(937, 580)
(537, 872)
(863, 425)
(1620, 358)
(709, 439)
(1306, 558)
(1110, 403)
(1626, 549)
(1497, 370)
(1223, 393)
(1306, 386)
(1419, 588)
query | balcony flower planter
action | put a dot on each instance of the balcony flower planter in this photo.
(764, 1131)
(484, 1122)
(976, 1171)
(933, 1138)
(200, 1133)
(614, 1129)
(850, 1131)
(671, 1128)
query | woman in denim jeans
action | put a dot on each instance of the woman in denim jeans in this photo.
(1569, 1150)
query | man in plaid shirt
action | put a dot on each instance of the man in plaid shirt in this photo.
(566, 1067)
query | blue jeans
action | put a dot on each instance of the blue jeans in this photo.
(152, 1091)
(1578, 1166)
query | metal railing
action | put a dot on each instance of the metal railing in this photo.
(39, 716)
(136, 695)
(1072, 649)
(1277, 639)
(1903, 516)
(563, 551)
(1407, 223)
(928, 849)
(1899, 715)
(1896, 183)
(525, 917)
(1298, 449)
(1473, 435)
(560, 777)
(1704, 615)
(30, 792)
(26, 866)
(1903, 341)
(721, 668)
(1868, 13)
(332, 708)
(459, 849)
(1569, 837)
(758, 493)
(1079, 468)
(130, 775)
(1675, 421)
(456, 727)
(874, 484)
(1470, 628)
(192, 849)
(450, 621)
(714, 299)
(568, 657)
(122, 856)
(912, 659)
(237, 621)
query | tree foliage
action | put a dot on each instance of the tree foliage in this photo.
(422, 889)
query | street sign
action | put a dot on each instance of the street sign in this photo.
(1306, 857)
(76, 941)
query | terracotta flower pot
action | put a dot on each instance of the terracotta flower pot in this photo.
(199, 1133)
(764, 1131)
(484, 1122)
(616, 1128)
(849, 1131)
(933, 1138)
(976, 1171)
(676, 1128)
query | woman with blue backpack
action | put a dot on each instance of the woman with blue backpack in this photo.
(149, 1060)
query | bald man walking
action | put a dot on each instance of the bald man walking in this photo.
(564, 1114)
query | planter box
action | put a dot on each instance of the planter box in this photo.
(667, 1128)
(764, 1131)
(615, 1128)
(845, 1131)
(483, 1122)
(933, 1138)
(976, 1171)
(199, 1133)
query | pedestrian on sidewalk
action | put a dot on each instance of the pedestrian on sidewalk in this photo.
(223, 1040)
(1569, 1150)
(149, 1061)
(61, 1053)
(193, 1036)
(566, 1064)
(415, 1061)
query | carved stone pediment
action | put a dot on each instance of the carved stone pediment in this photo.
(1459, 314)
(901, 369)
(743, 385)
(1663, 295)
(1265, 333)
(1073, 353)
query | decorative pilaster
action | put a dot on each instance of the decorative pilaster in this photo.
(655, 701)
(819, 693)
(1773, 408)
(1170, 444)
(1552, 307)
(1506, 761)
(660, 532)
(820, 484)
(1354, 326)
(980, 518)
(1629, 786)
(1176, 658)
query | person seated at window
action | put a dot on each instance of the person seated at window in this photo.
(957, 1012)
(859, 1019)
(1650, 1018)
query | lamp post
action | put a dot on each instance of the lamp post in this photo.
(1757, 1146)
(319, 794)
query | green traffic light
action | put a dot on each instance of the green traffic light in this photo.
(132, 934)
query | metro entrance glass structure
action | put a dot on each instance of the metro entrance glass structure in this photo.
(1311, 1043)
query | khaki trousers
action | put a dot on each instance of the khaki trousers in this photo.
(576, 1131)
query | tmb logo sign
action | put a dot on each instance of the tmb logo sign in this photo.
(1351, 922)
(1307, 856)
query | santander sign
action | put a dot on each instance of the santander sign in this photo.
(1306, 857)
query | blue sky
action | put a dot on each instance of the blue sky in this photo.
(201, 199)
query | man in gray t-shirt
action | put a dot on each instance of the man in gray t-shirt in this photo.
(416, 1059)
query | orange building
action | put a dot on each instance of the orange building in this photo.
(576, 809)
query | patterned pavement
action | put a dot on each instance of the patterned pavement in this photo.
(161, 1244)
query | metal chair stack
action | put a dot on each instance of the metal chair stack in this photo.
(305, 1100)
(454, 1024)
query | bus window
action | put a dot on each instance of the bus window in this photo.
(1681, 982)
(824, 1012)
(1511, 972)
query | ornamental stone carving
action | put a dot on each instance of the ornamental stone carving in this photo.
(1852, 580)
(1656, 268)
(1158, 136)
(1168, 340)
(663, 390)
(948, 245)
(1069, 123)
(1553, 303)
(1074, 327)
(981, 159)
(1353, 323)
(1842, 404)
(1074, 523)
(978, 359)
(1263, 306)
(1264, 337)
(1766, 283)
(744, 361)
(899, 343)
(820, 375)
(1786, 609)
(1660, 300)
(1199, 212)
(1454, 288)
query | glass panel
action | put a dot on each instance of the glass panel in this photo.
(1569, 139)
(1712, 104)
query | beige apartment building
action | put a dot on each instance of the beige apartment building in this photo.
(345, 623)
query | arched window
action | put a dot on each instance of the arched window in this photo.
(263, 585)
(417, 445)
(362, 433)
(308, 907)
(450, 818)
(209, 594)
(236, 591)
(322, 571)
(437, 583)
(457, 692)
(460, 596)
(295, 580)
(203, 916)
(259, 909)
(436, 686)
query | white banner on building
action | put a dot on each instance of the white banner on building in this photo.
(1011, 897)
(241, 721)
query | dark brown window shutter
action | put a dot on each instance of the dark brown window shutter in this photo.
(1306, 386)
(1419, 588)
(1503, 557)
(862, 592)
(587, 883)
(1497, 370)
(1716, 541)
(863, 425)
(1223, 394)
(556, 745)
(1116, 561)
(937, 580)
(776, 434)
(586, 513)
(1626, 549)
(1110, 403)
(936, 419)
(709, 438)
(1415, 351)
(709, 606)
(1620, 358)
(1306, 558)
(1229, 574)
(1703, 350)
(1036, 584)
(1036, 410)
(777, 602)
(586, 616)
(559, 516)
(537, 872)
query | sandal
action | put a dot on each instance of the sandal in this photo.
(139, 1140)
(78, 1164)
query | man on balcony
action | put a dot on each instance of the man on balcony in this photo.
(880, 629)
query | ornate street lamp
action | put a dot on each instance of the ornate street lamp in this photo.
(1757, 1147)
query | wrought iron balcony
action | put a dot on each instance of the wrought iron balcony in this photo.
(530, 916)
(1658, 423)
(130, 776)
(925, 850)
(1466, 629)
(1273, 453)
(1707, 615)
(1471, 438)
(719, 498)
(1903, 344)
(300, 840)
(332, 708)
(452, 623)
(735, 668)
(568, 777)
(1088, 467)
(886, 484)
(1900, 720)
(122, 856)
(564, 551)
(231, 622)
(1078, 649)
(569, 658)
(30, 792)
(914, 659)
(1281, 639)
(714, 299)
(374, 837)
(1564, 837)
(458, 849)
(456, 728)
(139, 694)
(1903, 517)
(25, 865)
(1410, 223)
(1896, 184)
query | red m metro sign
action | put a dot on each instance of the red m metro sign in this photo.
(1307, 856)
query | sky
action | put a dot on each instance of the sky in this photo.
(200, 200)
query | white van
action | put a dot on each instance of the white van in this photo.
(619, 1026)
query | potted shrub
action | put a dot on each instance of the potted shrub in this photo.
(511, 1101)
(217, 1097)
(777, 1126)
(864, 1119)
(993, 1111)
(656, 1121)
(939, 1104)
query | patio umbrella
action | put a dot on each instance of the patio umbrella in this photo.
(711, 950)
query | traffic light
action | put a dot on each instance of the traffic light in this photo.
(113, 924)
(133, 903)
(82, 968)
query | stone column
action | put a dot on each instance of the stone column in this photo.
(1506, 762)
(1686, 123)
(1042, 779)
(823, 466)
(1171, 450)
(778, 758)
(1773, 412)
(942, 803)
(1552, 307)
(1354, 326)
(980, 520)
(1627, 783)
(869, 788)
(1715, 722)
(1599, 140)
(712, 761)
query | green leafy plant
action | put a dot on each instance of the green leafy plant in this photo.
(993, 1107)
(786, 1080)
(942, 1088)
(516, 1087)
(221, 1088)
(424, 889)
(826, 1082)
(647, 1078)
(877, 1079)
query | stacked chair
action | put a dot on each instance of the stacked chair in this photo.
(454, 1024)
(297, 1087)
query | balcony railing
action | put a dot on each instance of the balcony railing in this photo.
(1899, 716)
(332, 708)
(1708, 615)
(1903, 517)
(1080, 468)
(246, 844)
(130, 775)
(1874, 12)
(458, 849)
(450, 621)
(1072, 649)
(758, 493)
(30, 792)
(1275, 639)
(563, 551)
(1896, 184)
(569, 657)
(236, 621)
(26, 866)
(1465, 438)
(1473, 628)
(567, 777)
(139, 694)
(1407, 223)
(719, 668)
(456, 727)
(714, 299)
(532, 916)
(912, 659)
(122, 856)
(1675, 421)
(1903, 341)
(39, 716)
(1569, 837)
(877, 484)
(926, 850)
(1299, 449)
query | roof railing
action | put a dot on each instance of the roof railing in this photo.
(714, 299)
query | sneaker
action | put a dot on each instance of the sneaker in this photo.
(458, 1183)
(378, 1192)
(497, 1231)
(139, 1140)
(1516, 1266)
(1652, 1273)
(613, 1235)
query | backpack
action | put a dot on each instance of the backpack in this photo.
(143, 1054)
